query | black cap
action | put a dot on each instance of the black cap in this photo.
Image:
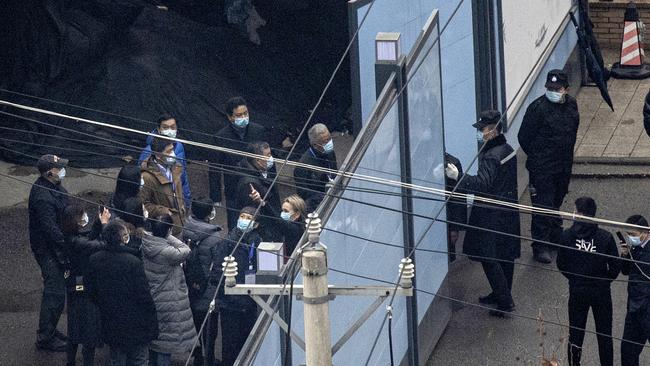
(489, 117)
(49, 161)
(556, 79)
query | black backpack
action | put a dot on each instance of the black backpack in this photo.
(195, 276)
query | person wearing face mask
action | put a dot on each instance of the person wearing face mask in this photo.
(135, 217)
(47, 199)
(637, 319)
(81, 241)
(162, 255)
(238, 132)
(117, 284)
(203, 236)
(167, 127)
(497, 179)
(293, 217)
(162, 193)
(254, 184)
(590, 276)
(312, 185)
(237, 313)
(548, 136)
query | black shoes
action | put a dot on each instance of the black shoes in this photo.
(490, 299)
(542, 255)
(55, 344)
(502, 310)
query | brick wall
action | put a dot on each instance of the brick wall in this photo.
(607, 17)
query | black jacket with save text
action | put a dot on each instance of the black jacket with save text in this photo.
(587, 241)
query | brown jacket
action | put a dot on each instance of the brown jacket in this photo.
(158, 196)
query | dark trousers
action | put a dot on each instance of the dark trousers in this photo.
(136, 355)
(600, 302)
(547, 191)
(637, 330)
(87, 352)
(236, 326)
(53, 299)
(205, 355)
(499, 275)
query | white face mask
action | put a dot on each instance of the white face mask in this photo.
(213, 214)
(141, 182)
(169, 133)
(84, 220)
(145, 213)
(61, 173)
(171, 159)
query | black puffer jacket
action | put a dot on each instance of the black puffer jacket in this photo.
(204, 237)
(496, 178)
(78, 249)
(638, 287)
(46, 204)
(242, 255)
(548, 135)
(588, 239)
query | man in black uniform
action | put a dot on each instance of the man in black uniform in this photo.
(637, 319)
(236, 135)
(47, 200)
(313, 185)
(496, 178)
(590, 276)
(548, 135)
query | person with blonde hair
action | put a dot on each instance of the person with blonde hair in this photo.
(293, 218)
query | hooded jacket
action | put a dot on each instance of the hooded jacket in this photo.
(162, 259)
(204, 237)
(585, 240)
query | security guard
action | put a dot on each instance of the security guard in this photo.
(496, 179)
(548, 136)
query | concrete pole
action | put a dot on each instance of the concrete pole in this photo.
(318, 344)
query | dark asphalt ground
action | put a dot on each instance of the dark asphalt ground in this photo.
(474, 338)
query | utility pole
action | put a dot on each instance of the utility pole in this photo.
(316, 294)
(318, 346)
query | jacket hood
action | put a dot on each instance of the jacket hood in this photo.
(198, 230)
(153, 245)
(583, 230)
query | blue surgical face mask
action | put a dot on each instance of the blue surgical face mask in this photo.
(555, 96)
(84, 220)
(285, 216)
(241, 122)
(328, 147)
(169, 133)
(479, 137)
(61, 173)
(634, 241)
(269, 163)
(245, 225)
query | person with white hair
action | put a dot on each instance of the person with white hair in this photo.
(310, 184)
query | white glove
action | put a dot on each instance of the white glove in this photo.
(439, 172)
(451, 171)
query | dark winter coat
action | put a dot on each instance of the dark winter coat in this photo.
(292, 232)
(162, 260)
(46, 204)
(496, 178)
(83, 315)
(548, 135)
(638, 287)
(310, 184)
(456, 207)
(232, 138)
(117, 284)
(646, 113)
(252, 176)
(588, 239)
(204, 237)
(243, 256)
